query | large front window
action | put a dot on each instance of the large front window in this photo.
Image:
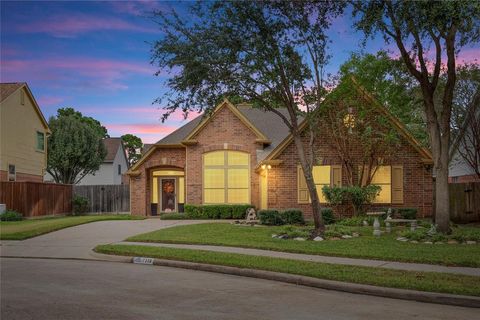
(226, 177)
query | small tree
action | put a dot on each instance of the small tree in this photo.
(75, 148)
(133, 144)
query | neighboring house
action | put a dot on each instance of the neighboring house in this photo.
(23, 135)
(114, 166)
(244, 155)
(460, 171)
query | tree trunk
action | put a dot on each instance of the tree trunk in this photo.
(442, 199)
(312, 190)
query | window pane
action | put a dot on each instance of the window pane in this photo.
(320, 193)
(385, 194)
(214, 178)
(214, 196)
(155, 190)
(238, 196)
(40, 141)
(216, 158)
(237, 178)
(321, 174)
(237, 158)
(181, 190)
(382, 175)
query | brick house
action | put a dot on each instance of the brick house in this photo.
(240, 154)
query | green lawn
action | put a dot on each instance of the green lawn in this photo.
(20, 230)
(366, 246)
(424, 281)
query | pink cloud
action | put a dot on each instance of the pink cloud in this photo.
(71, 25)
(82, 72)
(137, 129)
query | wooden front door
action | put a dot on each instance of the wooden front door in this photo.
(168, 199)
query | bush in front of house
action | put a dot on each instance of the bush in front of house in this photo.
(356, 196)
(174, 216)
(11, 215)
(80, 205)
(214, 211)
(327, 216)
(292, 216)
(407, 213)
(270, 217)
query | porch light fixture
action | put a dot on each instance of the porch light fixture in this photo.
(266, 166)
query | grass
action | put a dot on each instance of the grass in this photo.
(365, 246)
(20, 230)
(423, 281)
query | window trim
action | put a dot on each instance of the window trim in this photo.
(14, 174)
(37, 132)
(225, 167)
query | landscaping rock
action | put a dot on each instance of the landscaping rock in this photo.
(471, 242)
(274, 235)
(318, 238)
(355, 235)
(299, 239)
(452, 242)
(414, 241)
(346, 236)
(439, 242)
(402, 239)
(428, 242)
(282, 236)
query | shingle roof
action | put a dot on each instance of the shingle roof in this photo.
(112, 145)
(267, 122)
(6, 89)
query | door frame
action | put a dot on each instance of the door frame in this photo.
(160, 191)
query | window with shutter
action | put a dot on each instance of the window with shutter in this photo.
(397, 184)
(383, 178)
(302, 187)
(322, 176)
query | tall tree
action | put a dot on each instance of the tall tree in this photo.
(93, 123)
(426, 32)
(75, 148)
(269, 53)
(133, 144)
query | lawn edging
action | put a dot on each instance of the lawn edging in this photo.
(394, 293)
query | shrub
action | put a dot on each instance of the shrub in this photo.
(356, 196)
(327, 216)
(270, 217)
(80, 205)
(336, 231)
(353, 221)
(292, 216)
(296, 232)
(407, 213)
(214, 211)
(10, 215)
(174, 216)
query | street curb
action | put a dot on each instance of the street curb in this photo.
(394, 293)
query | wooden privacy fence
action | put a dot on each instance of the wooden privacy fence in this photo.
(105, 198)
(36, 198)
(465, 202)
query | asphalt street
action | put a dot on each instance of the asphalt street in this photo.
(74, 289)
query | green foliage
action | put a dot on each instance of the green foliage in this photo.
(270, 217)
(132, 144)
(407, 213)
(337, 231)
(296, 232)
(355, 195)
(328, 216)
(292, 216)
(11, 215)
(220, 211)
(80, 205)
(92, 123)
(75, 147)
(174, 216)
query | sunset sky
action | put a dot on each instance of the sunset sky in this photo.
(95, 57)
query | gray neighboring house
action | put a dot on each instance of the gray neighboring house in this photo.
(113, 167)
(459, 170)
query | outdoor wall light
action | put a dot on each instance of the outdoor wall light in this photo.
(266, 166)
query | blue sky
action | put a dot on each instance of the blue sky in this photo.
(95, 57)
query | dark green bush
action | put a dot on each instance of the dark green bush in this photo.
(270, 217)
(327, 216)
(214, 211)
(407, 213)
(80, 205)
(292, 216)
(174, 216)
(10, 215)
(356, 196)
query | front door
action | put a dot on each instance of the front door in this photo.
(168, 202)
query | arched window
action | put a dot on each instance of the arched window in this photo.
(226, 177)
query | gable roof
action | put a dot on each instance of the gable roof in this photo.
(424, 153)
(112, 145)
(7, 89)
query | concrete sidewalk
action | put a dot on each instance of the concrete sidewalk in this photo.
(317, 258)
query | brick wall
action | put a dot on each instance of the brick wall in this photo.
(140, 185)
(282, 179)
(224, 131)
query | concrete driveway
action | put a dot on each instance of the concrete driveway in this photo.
(77, 242)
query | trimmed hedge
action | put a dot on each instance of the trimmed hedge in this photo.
(214, 211)
(293, 216)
